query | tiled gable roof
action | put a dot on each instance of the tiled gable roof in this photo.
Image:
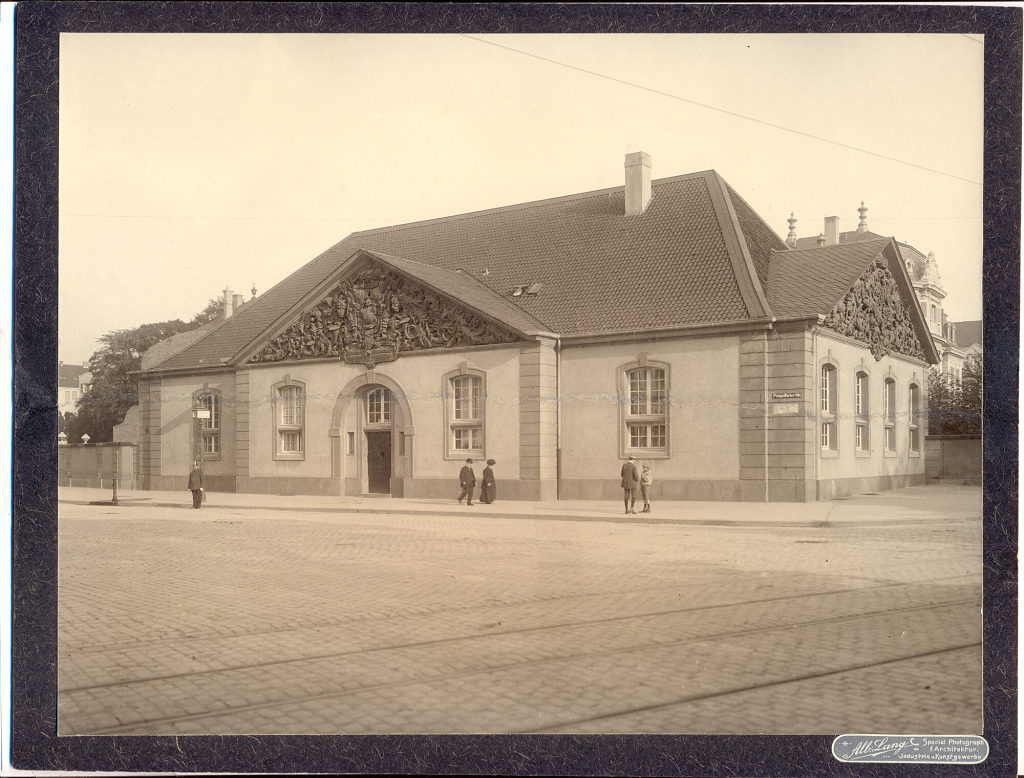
(67, 375)
(851, 236)
(967, 333)
(807, 282)
(681, 263)
(466, 289)
(761, 239)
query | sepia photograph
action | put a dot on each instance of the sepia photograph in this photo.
(520, 384)
(495, 386)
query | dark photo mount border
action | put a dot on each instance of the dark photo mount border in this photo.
(35, 745)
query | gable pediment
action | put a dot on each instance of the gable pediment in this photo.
(873, 312)
(374, 315)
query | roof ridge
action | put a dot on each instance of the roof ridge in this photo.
(851, 245)
(744, 273)
(527, 204)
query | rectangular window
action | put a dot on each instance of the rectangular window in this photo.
(647, 436)
(646, 421)
(378, 407)
(291, 442)
(467, 439)
(828, 391)
(466, 414)
(889, 415)
(914, 436)
(466, 391)
(210, 426)
(861, 411)
(290, 401)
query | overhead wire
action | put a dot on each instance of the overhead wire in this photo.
(725, 111)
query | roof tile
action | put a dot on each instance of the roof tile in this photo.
(602, 271)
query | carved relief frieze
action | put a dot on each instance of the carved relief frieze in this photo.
(873, 313)
(375, 316)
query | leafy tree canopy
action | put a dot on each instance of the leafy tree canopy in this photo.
(114, 389)
(954, 407)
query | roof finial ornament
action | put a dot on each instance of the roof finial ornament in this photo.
(931, 270)
(791, 238)
(863, 225)
(253, 290)
(821, 238)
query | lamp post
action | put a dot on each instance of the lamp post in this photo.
(117, 470)
(199, 413)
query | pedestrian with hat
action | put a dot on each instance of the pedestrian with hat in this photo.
(195, 485)
(487, 484)
(467, 480)
(629, 483)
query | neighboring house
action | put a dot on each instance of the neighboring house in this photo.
(924, 273)
(72, 383)
(968, 337)
(664, 320)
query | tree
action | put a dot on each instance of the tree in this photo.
(114, 389)
(214, 310)
(954, 406)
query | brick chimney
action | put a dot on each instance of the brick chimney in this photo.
(237, 300)
(638, 182)
(228, 303)
(831, 230)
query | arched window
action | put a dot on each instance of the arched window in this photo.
(913, 418)
(289, 419)
(209, 404)
(646, 417)
(862, 409)
(829, 389)
(378, 406)
(889, 415)
(465, 405)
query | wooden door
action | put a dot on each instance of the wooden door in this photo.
(378, 461)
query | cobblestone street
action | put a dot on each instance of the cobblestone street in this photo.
(237, 620)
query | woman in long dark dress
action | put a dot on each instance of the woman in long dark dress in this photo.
(487, 486)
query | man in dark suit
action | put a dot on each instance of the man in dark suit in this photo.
(630, 482)
(195, 485)
(467, 480)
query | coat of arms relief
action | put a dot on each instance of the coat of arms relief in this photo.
(873, 313)
(375, 316)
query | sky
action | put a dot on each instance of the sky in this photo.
(191, 163)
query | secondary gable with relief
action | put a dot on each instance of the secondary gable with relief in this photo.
(873, 313)
(375, 315)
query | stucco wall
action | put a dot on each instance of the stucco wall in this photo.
(421, 378)
(703, 420)
(876, 465)
(176, 425)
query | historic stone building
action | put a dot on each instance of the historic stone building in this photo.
(664, 320)
(923, 270)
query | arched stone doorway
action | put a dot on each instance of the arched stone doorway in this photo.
(372, 433)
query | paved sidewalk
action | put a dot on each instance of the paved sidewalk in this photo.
(917, 503)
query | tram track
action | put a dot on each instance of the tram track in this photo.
(721, 636)
(100, 648)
